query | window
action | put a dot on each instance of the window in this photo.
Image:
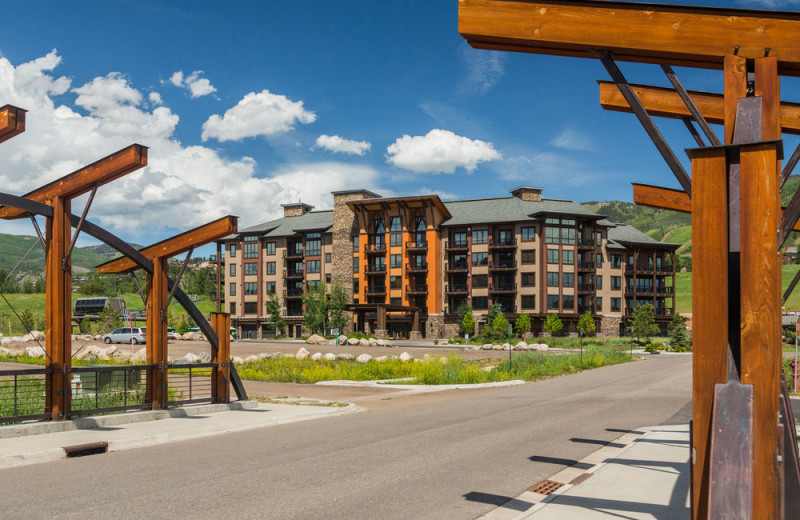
(480, 303)
(529, 256)
(233, 308)
(232, 249)
(270, 267)
(396, 260)
(551, 235)
(598, 280)
(615, 304)
(395, 282)
(568, 257)
(270, 248)
(598, 238)
(460, 239)
(313, 244)
(355, 264)
(552, 301)
(598, 304)
(528, 234)
(568, 279)
(480, 259)
(552, 279)
(355, 244)
(567, 302)
(529, 279)
(616, 261)
(232, 290)
(327, 278)
(528, 301)
(313, 283)
(459, 261)
(419, 222)
(480, 237)
(233, 269)
(599, 260)
(395, 301)
(568, 236)
(630, 260)
(396, 239)
(250, 249)
(251, 307)
(616, 283)
(378, 224)
(270, 287)
(250, 268)
(394, 224)
(312, 266)
(480, 281)
(505, 237)
(327, 258)
(552, 256)
(250, 288)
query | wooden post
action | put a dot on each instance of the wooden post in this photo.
(709, 307)
(58, 314)
(220, 375)
(157, 335)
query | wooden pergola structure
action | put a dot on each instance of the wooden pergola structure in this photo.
(744, 451)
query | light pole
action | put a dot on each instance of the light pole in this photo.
(580, 343)
(631, 341)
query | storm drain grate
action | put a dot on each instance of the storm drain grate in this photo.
(546, 487)
(82, 450)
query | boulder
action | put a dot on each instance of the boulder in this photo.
(442, 360)
(426, 357)
(521, 346)
(140, 356)
(277, 355)
(110, 351)
(316, 339)
(353, 342)
(381, 359)
(330, 356)
(5, 341)
(103, 356)
(541, 347)
(288, 355)
(363, 342)
(373, 342)
(405, 357)
(506, 346)
(497, 347)
(88, 352)
(382, 342)
(345, 357)
(316, 356)
(395, 357)
(205, 357)
(237, 360)
(486, 346)
(4, 351)
(332, 341)
(37, 335)
(364, 358)
(27, 337)
(251, 359)
(34, 352)
(302, 353)
(487, 369)
(188, 359)
(187, 336)
(264, 355)
(342, 339)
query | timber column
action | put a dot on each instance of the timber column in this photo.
(58, 316)
(221, 374)
(157, 335)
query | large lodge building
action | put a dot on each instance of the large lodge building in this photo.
(407, 263)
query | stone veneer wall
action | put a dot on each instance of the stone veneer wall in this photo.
(609, 326)
(344, 227)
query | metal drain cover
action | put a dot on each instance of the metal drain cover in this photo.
(546, 487)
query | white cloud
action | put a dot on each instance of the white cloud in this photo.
(182, 186)
(334, 143)
(571, 139)
(264, 113)
(769, 4)
(155, 98)
(440, 151)
(197, 86)
(483, 69)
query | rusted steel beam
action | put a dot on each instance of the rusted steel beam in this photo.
(647, 33)
(176, 245)
(666, 102)
(12, 122)
(81, 181)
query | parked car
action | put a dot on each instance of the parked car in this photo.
(171, 334)
(133, 335)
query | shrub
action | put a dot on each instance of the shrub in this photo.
(522, 325)
(553, 325)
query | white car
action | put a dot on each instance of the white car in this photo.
(133, 335)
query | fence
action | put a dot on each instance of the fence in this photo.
(23, 394)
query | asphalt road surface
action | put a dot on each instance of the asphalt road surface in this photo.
(448, 455)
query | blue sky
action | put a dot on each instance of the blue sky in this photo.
(247, 105)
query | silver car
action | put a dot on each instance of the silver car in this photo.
(133, 335)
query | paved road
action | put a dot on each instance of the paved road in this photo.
(449, 455)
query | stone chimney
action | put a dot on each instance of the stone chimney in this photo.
(527, 193)
(296, 209)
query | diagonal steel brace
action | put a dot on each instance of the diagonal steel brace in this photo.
(176, 284)
(65, 260)
(689, 102)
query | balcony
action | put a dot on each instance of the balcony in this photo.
(584, 308)
(293, 293)
(375, 249)
(417, 268)
(653, 269)
(664, 290)
(585, 287)
(460, 267)
(456, 289)
(376, 269)
(455, 246)
(292, 253)
(586, 243)
(503, 266)
(416, 246)
(508, 243)
(417, 289)
(503, 288)
(378, 290)
(586, 266)
(290, 273)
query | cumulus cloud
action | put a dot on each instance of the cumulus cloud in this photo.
(439, 151)
(258, 114)
(182, 187)
(334, 143)
(155, 98)
(571, 139)
(196, 85)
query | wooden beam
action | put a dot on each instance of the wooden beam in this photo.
(12, 122)
(176, 245)
(670, 199)
(81, 181)
(665, 102)
(647, 33)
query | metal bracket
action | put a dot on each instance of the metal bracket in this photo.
(65, 260)
(644, 118)
(176, 283)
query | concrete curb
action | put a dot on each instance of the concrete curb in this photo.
(420, 389)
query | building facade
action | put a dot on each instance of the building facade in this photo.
(408, 263)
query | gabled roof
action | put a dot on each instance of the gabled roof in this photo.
(288, 226)
(510, 209)
(624, 235)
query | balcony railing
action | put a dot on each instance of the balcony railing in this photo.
(503, 288)
(376, 290)
(292, 253)
(416, 246)
(586, 287)
(293, 293)
(502, 244)
(417, 289)
(586, 242)
(456, 289)
(417, 268)
(375, 249)
(291, 273)
(582, 309)
(586, 266)
(503, 266)
(376, 269)
(455, 267)
(452, 245)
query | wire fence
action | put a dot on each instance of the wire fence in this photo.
(189, 383)
(23, 394)
(105, 389)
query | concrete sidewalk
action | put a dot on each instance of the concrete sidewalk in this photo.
(46, 441)
(642, 475)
